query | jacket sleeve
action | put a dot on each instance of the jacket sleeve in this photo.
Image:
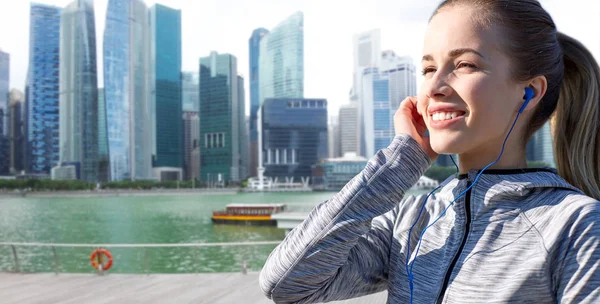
(578, 275)
(341, 249)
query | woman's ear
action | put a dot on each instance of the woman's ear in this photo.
(539, 85)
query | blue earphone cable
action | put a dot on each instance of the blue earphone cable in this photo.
(409, 271)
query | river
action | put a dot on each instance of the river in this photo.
(139, 220)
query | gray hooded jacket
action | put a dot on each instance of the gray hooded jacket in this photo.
(518, 236)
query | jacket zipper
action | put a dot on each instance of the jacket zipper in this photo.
(462, 244)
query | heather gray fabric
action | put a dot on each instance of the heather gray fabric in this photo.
(531, 238)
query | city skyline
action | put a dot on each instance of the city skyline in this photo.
(327, 44)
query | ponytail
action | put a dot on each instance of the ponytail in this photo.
(576, 121)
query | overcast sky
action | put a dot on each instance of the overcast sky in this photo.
(226, 25)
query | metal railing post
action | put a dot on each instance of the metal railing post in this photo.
(195, 252)
(55, 260)
(146, 260)
(14, 250)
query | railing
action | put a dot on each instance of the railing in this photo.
(53, 247)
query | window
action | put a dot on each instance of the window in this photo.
(268, 156)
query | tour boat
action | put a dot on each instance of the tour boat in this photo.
(248, 214)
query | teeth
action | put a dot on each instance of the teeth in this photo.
(439, 116)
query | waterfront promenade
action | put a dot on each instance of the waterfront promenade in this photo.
(215, 288)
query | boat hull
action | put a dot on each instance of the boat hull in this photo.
(244, 221)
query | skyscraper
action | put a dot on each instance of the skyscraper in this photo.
(16, 99)
(42, 89)
(4, 85)
(349, 130)
(333, 131)
(4, 113)
(367, 54)
(242, 132)
(190, 84)
(220, 107)
(543, 145)
(127, 90)
(294, 137)
(191, 140)
(79, 89)
(103, 157)
(281, 60)
(165, 50)
(254, 51)
(382, 91)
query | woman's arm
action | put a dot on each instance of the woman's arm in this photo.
(341, 250)
(578, 271)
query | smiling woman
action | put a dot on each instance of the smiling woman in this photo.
(494, 72)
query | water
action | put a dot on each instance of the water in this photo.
(139, 220)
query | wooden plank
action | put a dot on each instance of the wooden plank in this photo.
(156, 288)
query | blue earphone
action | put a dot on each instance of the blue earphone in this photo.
(409, 266)
(527, 97)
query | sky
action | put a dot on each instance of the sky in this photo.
(226, 25)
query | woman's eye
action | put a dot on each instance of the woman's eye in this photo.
(466, 65)
(427, 71)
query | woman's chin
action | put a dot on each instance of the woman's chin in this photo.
(445, 146)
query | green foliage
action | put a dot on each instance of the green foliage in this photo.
(69, 185)
(45, 185)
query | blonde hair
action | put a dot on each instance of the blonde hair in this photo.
(572, 98)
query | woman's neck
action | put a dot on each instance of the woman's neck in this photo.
(477, 160)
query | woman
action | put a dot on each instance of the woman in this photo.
(495, 72)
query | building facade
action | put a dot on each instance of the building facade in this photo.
(334, 173)
(367, 54)
(383, 89)
(126, 53)
(4, 88)
(165, 50)
(17, 143)
(79, 89)
(242, 130)
(103, 156)
(334, 136)
(42, 90)
(349, 128)
(190, 91)
(281, 60)
(220, 111)
(294, 137)
(542, 146)
(254, 52)
(191, 141)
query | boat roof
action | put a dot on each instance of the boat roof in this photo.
(254, 205)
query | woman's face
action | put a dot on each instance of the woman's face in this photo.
(468, 99)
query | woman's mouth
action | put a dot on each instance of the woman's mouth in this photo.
(444, 119)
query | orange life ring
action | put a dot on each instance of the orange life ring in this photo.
(97, 258)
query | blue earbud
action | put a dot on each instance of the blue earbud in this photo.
(527, 97)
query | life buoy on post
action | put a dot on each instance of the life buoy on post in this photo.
(101, 257)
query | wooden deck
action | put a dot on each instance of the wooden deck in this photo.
(226, 288)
